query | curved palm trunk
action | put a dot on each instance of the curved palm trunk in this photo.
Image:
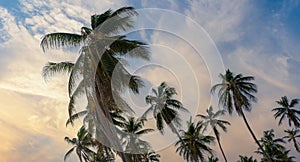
(254, 137)
(220, 146)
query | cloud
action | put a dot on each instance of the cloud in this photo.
(221, 19)
(33, 113)
(251, 40)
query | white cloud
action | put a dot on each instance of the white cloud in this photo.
(31, 110)
(221, 19)
(23, 60)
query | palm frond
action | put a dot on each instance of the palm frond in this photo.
(114, 25)
(135, 83)
(68, 153)
(76, 116)
(59, 40)
(52, 68)
(144, 131)
(130, 48)
(76, 73)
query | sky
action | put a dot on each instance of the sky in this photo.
(191, 42)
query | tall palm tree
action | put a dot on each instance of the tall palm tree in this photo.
(101, 52)
(236, 94)
(287, 110)
(106, 24)
(164, 107)
(212, 119)
(81, 145)
(193, 145)
(292, 135)
(274, 148)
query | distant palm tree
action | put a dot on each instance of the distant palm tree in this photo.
(274, 148)
(292, 135)
(287, 110)
(193, 145)
(212, 119)
(136, 148)
(246, 159)
(81, 144)
(164, 108)
(236, 93)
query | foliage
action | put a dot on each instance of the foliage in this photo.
(274, 148)
(193, 145)
(164, 107)
(212, 120)
(287, 110)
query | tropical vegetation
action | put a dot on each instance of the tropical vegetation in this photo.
(110, 131)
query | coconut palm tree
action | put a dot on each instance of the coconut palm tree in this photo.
(236, 94)
(287, 110)
(101, 54)
(212, 120)
(104, 25)
(274, 148)
(81, 145)
(292, 135)
(132, 129)
(164, 108)
(193, 145)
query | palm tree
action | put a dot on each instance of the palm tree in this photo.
(136, 148)
(101, 52)
(246, 159)
(236, 93)
(292, 135)
(287, 110)
(106, 24)
(274, 148)
(81, 144)
(212, 119)
(164, 108)
(193, 145)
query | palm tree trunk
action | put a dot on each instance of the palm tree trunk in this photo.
(220, 146)
(254, 137)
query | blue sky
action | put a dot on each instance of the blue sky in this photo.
(253, 37)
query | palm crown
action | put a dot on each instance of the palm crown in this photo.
(292, 135)
(287, 110)
(235, 92)
(193, 144)
(164, 107)
(212, 120)
(81, 145)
